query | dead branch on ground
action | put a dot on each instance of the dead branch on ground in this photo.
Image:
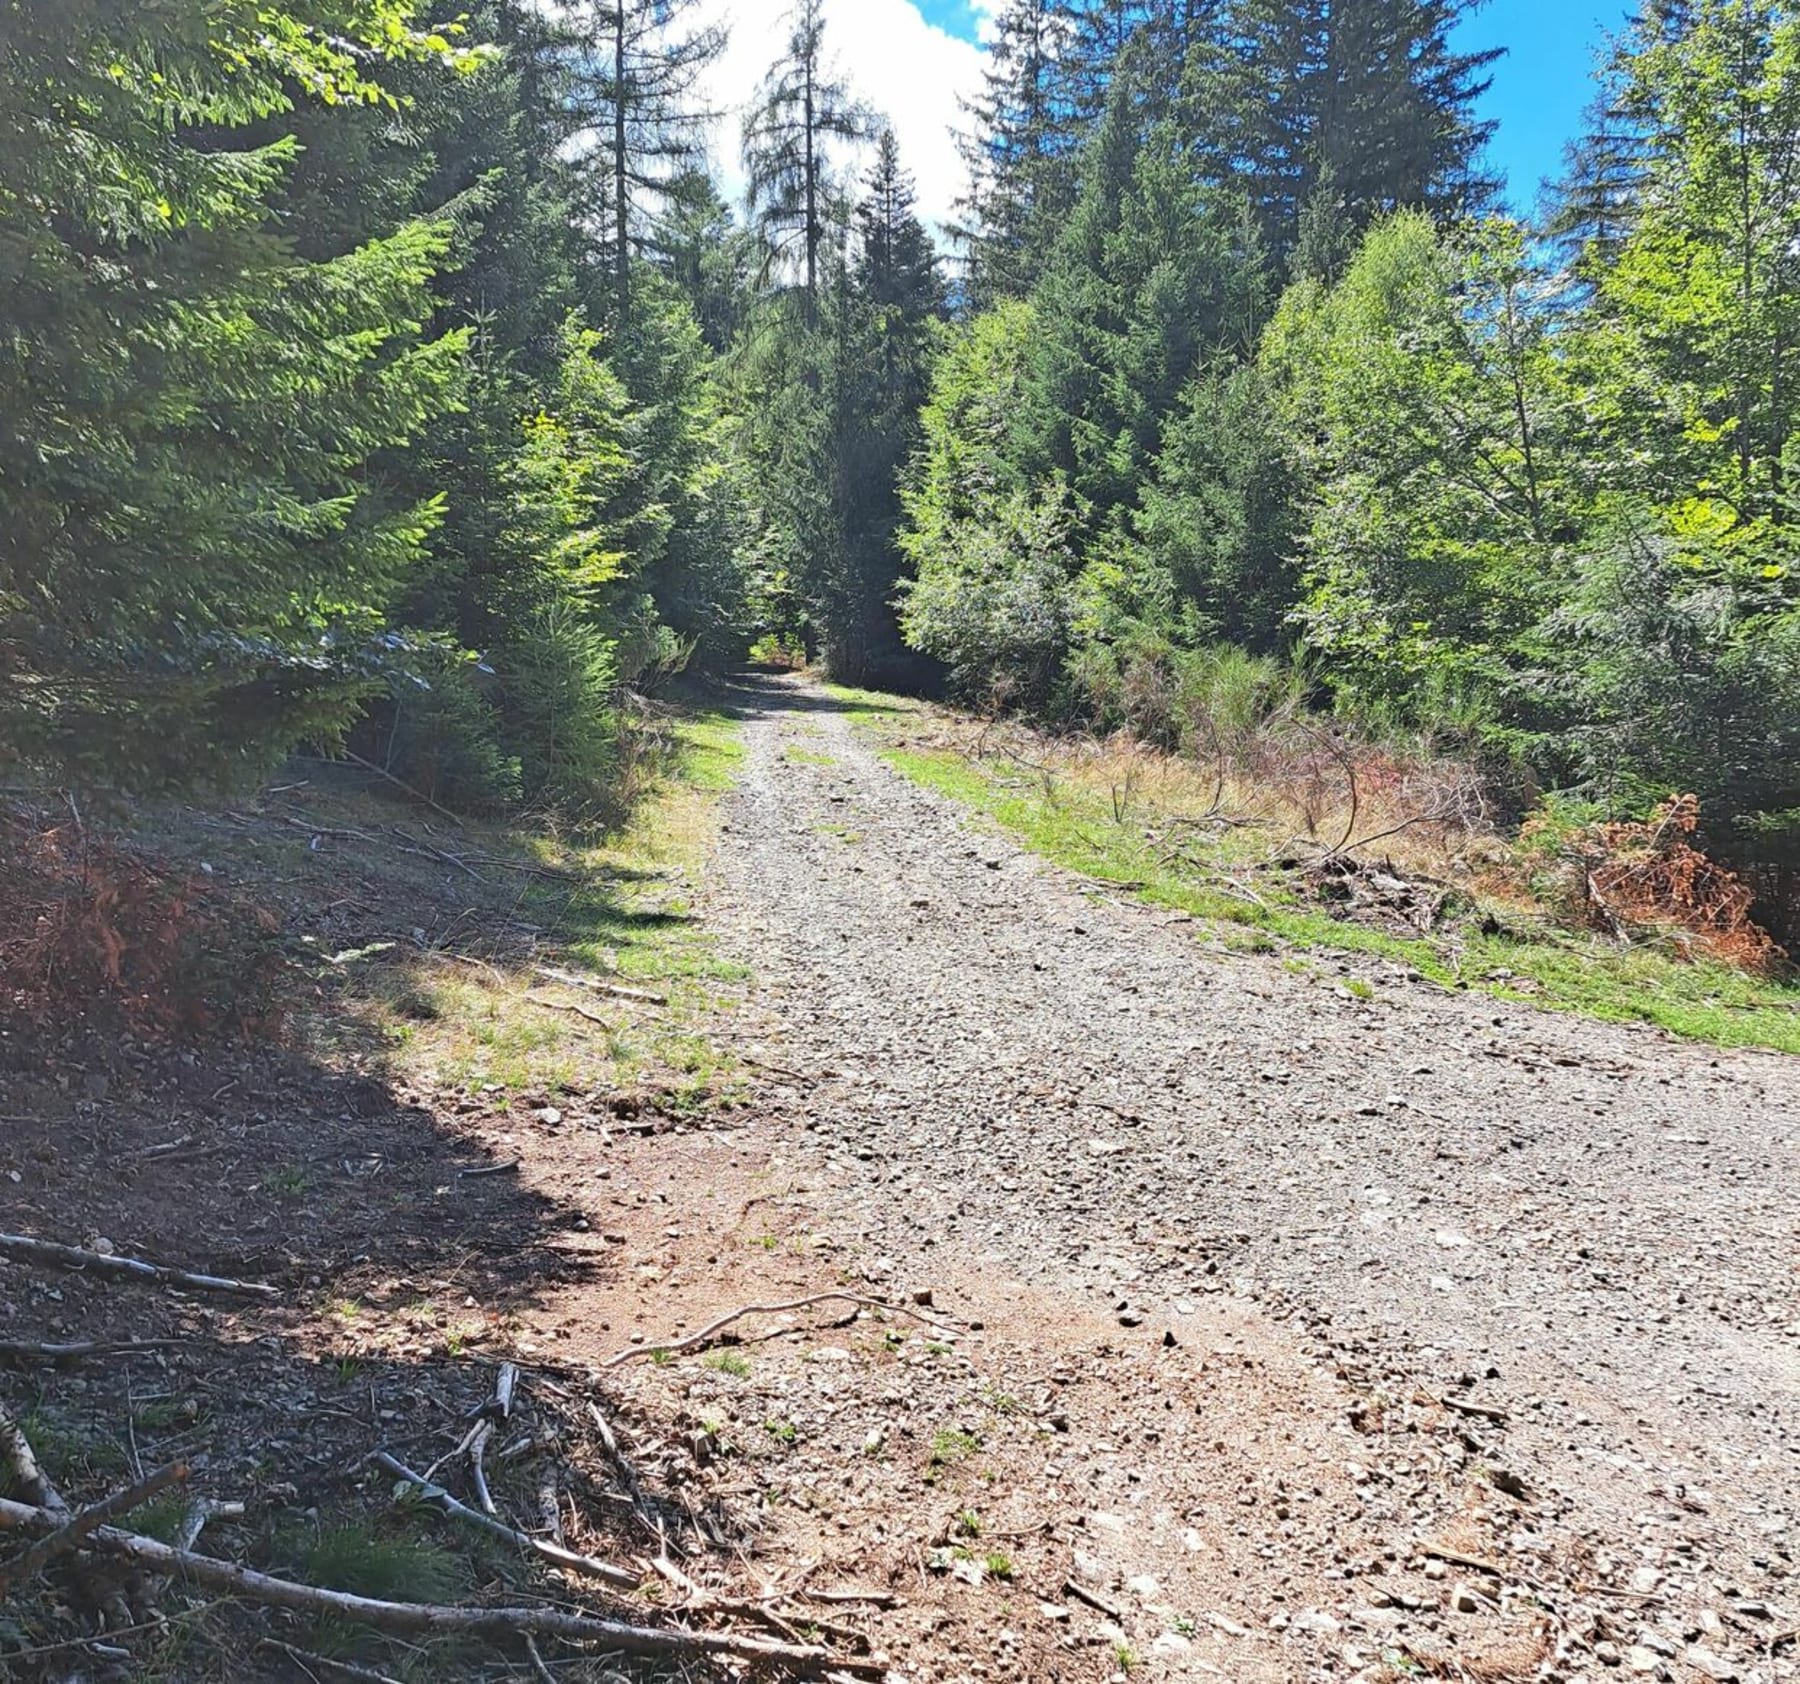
(617, 990)
(323, 1666)
(571, 1007)
(26, 1476)
(435, 1495)
(33, 1350)
(671, 1347)
(50, 1255)
(421, 1619)
(68, 1537)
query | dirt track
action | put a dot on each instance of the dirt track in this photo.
(1589, 1229)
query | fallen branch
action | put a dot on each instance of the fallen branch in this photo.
(196, 1519)
(874, 1598)
(441, 1499)
(70, 1536)
(48, 1254)
(402, 784)
(1480, 1411)
(507, 1168)
(497, 1411)
(628, 1477)
(1076, 1589)
(323, 1666)
(423, 1619)
(569, 1006)
(599, 986)
(1459, 1558)
(673, 1346)
(20, 1462)
(31, 1350)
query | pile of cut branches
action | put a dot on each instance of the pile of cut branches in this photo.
(646, 1602)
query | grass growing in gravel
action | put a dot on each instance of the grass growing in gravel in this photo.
(1077, 825)
(619, 909)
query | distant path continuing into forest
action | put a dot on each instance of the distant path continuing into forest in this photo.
(1590, 1228)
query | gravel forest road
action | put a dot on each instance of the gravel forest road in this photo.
(1589, 1228)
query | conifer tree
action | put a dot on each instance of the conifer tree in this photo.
(637, 75)
(1020, 152)
(197, 554)
(802, 108)
(1364, 105)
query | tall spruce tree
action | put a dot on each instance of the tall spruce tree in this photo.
(802, 108)
(1020, 152)
(199, 547)
(638, 69)
(1363, 104)
(1098, 32)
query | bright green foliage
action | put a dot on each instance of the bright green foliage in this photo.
(993, 555)
(193, 563)
(1434, 413)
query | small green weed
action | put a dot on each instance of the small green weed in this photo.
(358, 1559)
(950, 1445)
(287, 1181)
(734, 1363)
(783, 1432)
(998, 1564)
(1358, 989)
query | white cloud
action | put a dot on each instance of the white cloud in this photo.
(915, 74)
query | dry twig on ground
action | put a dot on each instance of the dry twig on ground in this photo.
(420, 1619)
(676, 1345)
(20, 1248)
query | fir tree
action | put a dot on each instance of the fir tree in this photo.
(1020, 153)
(198, 551)
(1365, 102)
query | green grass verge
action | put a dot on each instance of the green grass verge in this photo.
(1557, 969)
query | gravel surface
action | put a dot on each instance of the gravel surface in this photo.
(1587, 1227)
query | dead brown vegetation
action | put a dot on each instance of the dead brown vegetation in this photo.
(1629, 877)
(88, 922)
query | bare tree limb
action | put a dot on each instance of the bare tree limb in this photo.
(420, 1619)
(48, 1254)
(196, 1519)
(676, 1345)
(26, 1566)
(27, 1477)
(32, 1350)
(568, 1006)
(439, 1498)
(323, 1666)
(599, 986)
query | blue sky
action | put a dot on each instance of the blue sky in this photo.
(1539, 89)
